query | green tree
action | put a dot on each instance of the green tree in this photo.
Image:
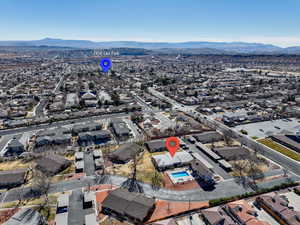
(156, 179)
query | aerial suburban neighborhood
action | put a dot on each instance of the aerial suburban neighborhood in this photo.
(83, 146)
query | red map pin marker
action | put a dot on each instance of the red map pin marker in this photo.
(172, 144)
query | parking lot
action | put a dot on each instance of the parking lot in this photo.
(267, 128)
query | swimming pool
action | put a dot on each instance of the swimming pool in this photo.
(180, 174)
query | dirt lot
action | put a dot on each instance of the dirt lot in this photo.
(263, 167)
(145, 168)
(14, 165)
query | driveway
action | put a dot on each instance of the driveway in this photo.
(76, 212)
(89, 166)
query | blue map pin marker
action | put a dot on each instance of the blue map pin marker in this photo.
(105, 64)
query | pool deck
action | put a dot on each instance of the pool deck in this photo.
(180, 179)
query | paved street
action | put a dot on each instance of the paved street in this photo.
(76, 213)
(224, 189)
(142, 102)
(89, 166)
(61, 123)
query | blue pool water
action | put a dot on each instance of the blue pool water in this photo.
(180, 174)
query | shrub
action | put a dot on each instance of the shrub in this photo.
(244, 132)
(221, 201)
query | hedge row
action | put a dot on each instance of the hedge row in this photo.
(221, 201)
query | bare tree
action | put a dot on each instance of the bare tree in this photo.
(42, 184)
(20, 196)
(254, 170)
(131, 183)
(240, 166)
(212, 143)
(227, 139)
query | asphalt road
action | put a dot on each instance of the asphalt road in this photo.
(226, 188)
(89, 166)
(66, 122)
(60, 123)
(76, 213)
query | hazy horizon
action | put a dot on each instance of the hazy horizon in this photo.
(269, 22)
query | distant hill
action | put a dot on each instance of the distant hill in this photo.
(195, 47)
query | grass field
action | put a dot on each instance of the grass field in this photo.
(277, 147)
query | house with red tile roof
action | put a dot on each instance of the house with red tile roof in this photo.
(278, 207)
(243, 213)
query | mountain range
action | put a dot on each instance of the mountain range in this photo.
(192, 47)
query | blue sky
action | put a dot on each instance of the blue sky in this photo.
(267, 21)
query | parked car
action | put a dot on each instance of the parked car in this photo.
(191, 140)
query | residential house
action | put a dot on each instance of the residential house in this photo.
(278, 207)
(121, 130)
(125, 153)
(26, 216)
(244, 213)
(216, 216)
(13, 147)
(72, 100)
(202, 173)
(52, 164)
(208, 137)
(156, 145)
(132, 206)
(232, 152)
(166, 161)
(89, 199)
(79, 166)
(12, 178)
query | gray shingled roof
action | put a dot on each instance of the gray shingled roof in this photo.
(156, 145)
(128, 203)
(26, 216)
(52, 164)
(12, 178)
(125, 152)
